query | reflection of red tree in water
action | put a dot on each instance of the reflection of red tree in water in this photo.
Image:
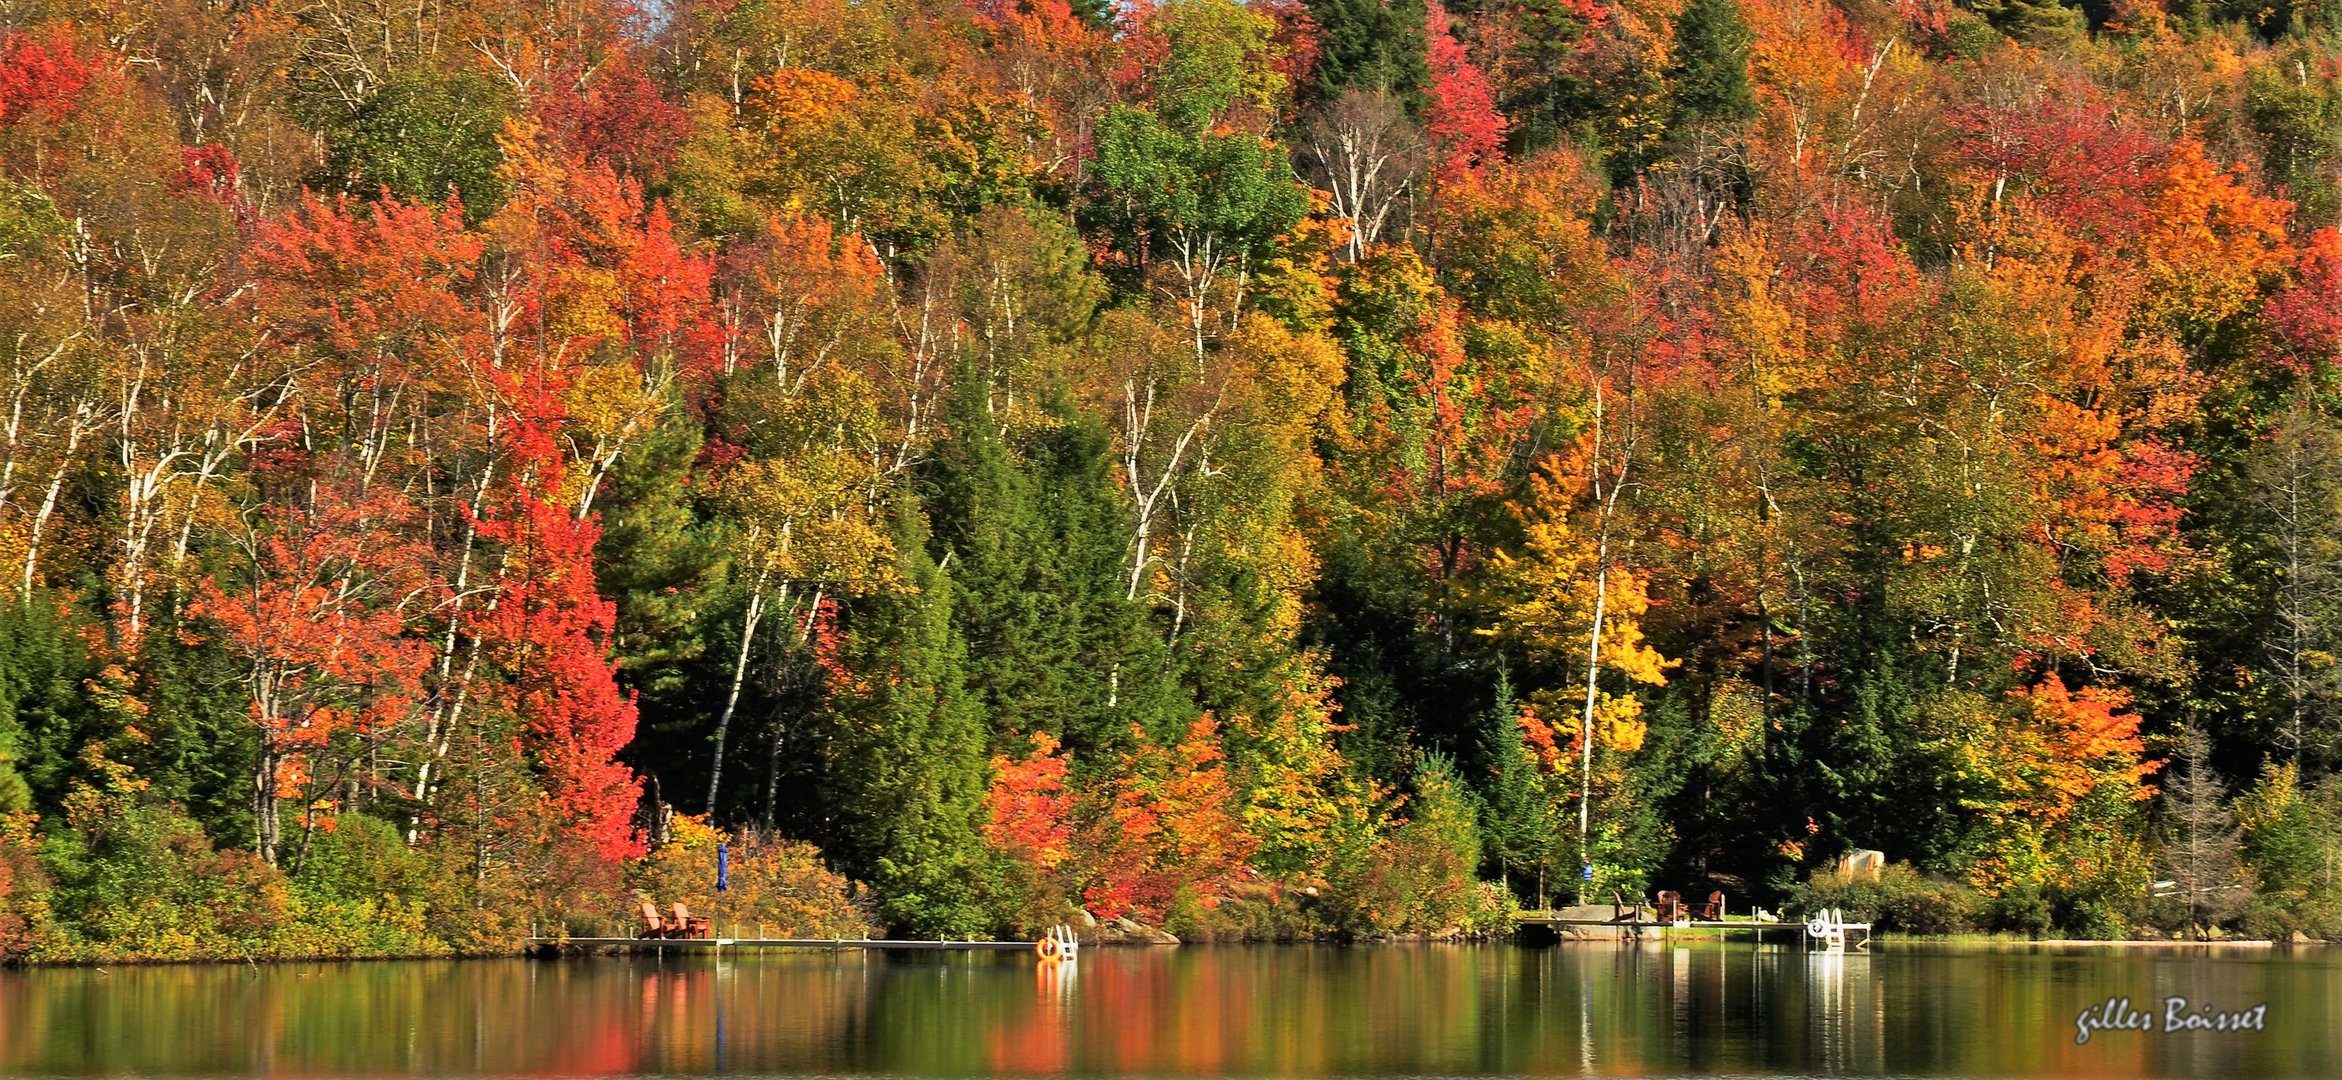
(1037, 1040)
(1132, 1017)
(621, 1036)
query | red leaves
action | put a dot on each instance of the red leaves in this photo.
(613, 116)
(40, 76)
(1466, 131)
(548, 632)
(2305, 320)
(2065, 148)
(211, 171)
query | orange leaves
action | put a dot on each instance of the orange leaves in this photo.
(1029, 811)
(2049, 773)
(1808, 72)
(1166, 830)
(548, 633)
(372, 287)
(1519, 244)
(798, 102)
(608, 268)
(320, 621)
(1539, 735)
(2212, 245)
(1171, 831)
(321, 617)
(2090, 739)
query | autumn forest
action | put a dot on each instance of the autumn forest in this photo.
(1271, 470)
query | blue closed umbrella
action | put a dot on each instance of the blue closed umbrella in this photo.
(723, 867)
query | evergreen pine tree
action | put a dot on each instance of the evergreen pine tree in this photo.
(42, 706)
(1372, 45)
(1517, 824)
(1036, 542)
(903, 751)
(659, 561)
(1708, 69)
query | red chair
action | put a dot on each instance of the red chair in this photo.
(687, 925)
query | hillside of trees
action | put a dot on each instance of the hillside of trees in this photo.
(1288, 468)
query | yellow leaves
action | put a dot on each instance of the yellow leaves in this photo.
(2270, 799)
(807, 519)
(1547, 592)
(609, 403)
(1768, 336)
(1281, 390)
(694, 833)
(1618, 723)
(581, 304)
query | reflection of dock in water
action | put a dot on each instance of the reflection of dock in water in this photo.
(576, 945)
(1057, 947)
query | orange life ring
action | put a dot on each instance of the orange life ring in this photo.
(1048, 948)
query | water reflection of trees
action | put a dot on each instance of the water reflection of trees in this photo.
(1294, 1011)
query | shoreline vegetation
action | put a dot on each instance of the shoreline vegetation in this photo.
(1232, 469)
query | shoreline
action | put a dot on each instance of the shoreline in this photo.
(550, 950)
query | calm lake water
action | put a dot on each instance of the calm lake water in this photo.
(1588, 1009)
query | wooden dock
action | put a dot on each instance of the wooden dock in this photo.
(1637, 926)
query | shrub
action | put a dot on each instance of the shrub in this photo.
(1418, 878)
(2289, 842)
(1900, 899)
(2020, 909)
(778, 887)
(365, 892)
(24, 889)
(140, 881)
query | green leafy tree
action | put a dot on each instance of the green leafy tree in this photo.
(425, 136)
(1185, 179)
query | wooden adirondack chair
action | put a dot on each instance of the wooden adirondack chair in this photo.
(652, 925)
(1713, 909)
(687, 925)
(1670, 905)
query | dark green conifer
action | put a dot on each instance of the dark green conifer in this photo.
(903, 751)
(1708, 68)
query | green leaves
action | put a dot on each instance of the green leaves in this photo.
(427, 137)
